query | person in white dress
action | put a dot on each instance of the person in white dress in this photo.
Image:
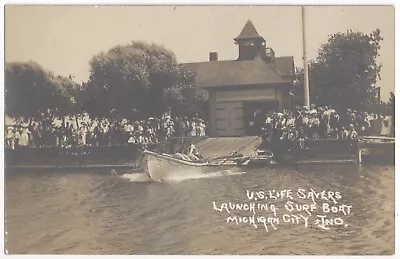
(83, 134)
(202, 129)
(193, 129)
(386, 125)
(24, 138)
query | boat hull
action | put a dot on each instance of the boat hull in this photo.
(163, 167)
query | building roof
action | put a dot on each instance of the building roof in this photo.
(248, 32)
(245, 72)
(285, 65)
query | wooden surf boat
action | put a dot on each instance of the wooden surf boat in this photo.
(162, 167)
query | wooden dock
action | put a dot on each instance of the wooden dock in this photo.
(224, 146)
(374, 149)
(377, 150)
(324, 152)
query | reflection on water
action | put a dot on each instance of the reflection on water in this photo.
(100, 213)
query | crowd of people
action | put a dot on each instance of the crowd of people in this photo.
(316, 123)
(95, 132)
(300, 125)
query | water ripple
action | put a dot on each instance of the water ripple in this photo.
(95, 213)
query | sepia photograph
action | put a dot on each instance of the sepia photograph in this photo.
(199, 130)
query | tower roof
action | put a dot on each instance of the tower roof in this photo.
(248, 32)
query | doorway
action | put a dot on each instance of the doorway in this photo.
(254, 115)
(229, 119)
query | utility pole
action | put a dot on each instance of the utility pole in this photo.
(305, 63)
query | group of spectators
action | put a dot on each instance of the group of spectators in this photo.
(95, 132)
(316, 123)
(302, 124)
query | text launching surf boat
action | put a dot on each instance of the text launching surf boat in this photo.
(164, 167)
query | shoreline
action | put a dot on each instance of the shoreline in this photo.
(368, 150)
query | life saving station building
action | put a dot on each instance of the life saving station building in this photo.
(242, 91)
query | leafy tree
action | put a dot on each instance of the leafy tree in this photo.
(34, 93)
(345, 72)
(68, 92)
(392, 107)
(138, 80)
(391, 103)
(185, 99)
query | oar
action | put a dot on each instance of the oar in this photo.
(247, 144)
(223, 161)
(222, 157)
(231, 155)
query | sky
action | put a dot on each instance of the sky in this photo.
(63, 39)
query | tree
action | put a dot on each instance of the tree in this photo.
(138, 80)
(68, 93)
(391, 103)
(185, 99)
(392, 107)
(34, 93)
(345, 72)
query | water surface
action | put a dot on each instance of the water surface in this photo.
(100, 213)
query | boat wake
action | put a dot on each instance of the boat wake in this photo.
(137, 177)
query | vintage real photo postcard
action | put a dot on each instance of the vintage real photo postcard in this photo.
(199, 130)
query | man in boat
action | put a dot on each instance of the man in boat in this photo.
(182, 156)
(191, 154)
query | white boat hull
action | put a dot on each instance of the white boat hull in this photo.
(163, 167)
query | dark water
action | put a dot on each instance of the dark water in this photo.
(100, 213)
